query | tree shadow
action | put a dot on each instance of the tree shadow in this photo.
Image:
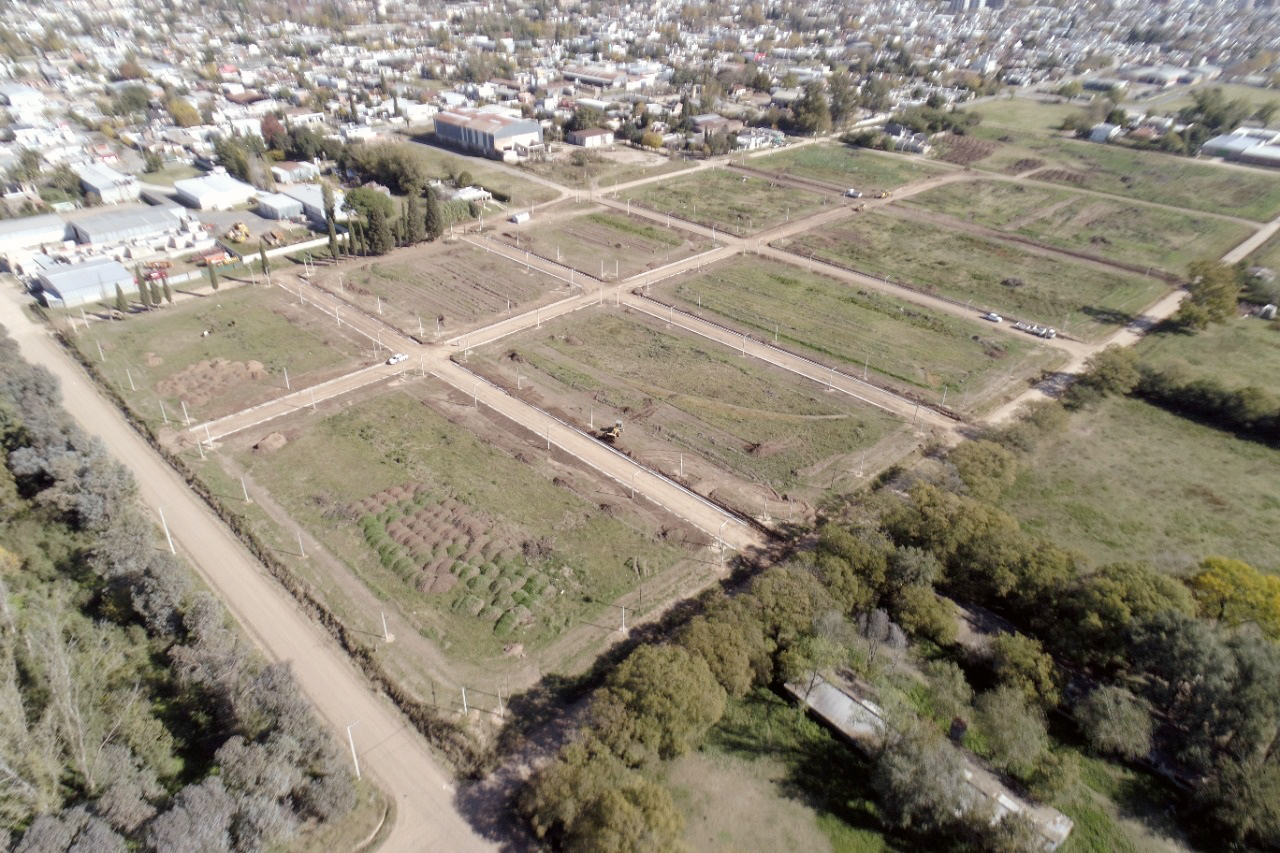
(1110, 316)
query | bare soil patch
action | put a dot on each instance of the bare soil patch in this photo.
(205, 380)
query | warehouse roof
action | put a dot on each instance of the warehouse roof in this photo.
(67, 280)
(30, 230)
(112, 225)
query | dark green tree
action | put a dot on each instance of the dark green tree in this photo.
(168, 292)
(330, 220)
(156, 296)
(213, 276)
(415, 226)
(811, 114)
(433, 221)
(1213, 289)
(122, 304)
(381, 238)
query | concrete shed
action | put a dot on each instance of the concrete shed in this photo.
(213, 192)
(278, 206)
(70, 285)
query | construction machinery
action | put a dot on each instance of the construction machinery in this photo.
(611, 433)
(158, 265)
(237, 233)
(883, 194)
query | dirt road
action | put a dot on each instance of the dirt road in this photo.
(389, 749)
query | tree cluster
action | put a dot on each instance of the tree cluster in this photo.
(131, 716)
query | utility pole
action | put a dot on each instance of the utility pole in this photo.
(165, 524)
(355, 760)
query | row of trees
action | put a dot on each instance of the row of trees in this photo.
(131, 714)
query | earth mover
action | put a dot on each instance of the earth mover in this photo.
(611, 433)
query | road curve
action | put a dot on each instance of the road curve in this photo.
(389, 749)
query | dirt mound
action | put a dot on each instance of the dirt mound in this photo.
(1026, 164)
(963, 150)
(1063, 176)
(202, 381)
(271, 443)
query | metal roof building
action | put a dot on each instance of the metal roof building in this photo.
(487, 132)
(213, 192)
(113, 226)
(311, 197)
(70, 285)
(31, 231)
(111, 186)
(278, 206)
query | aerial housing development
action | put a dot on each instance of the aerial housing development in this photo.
(679, 426)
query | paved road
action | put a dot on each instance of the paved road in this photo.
(389, 749)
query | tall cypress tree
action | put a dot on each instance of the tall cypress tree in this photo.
(122, 304)
(330, 220)
(155, 293)
(213, 277)
(168, 293)
(415, 223)
(434, 223)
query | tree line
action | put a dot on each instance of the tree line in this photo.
(132, 713)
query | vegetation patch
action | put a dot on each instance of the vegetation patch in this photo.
(844, 166)
(717, 198)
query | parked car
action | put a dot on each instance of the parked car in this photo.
(852, 193)
(992, 316)
(397, 358)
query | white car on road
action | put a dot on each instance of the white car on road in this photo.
(992, 316)
(397, 358)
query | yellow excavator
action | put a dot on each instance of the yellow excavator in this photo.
(237, 233)
(611, 433)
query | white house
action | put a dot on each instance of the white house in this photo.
(109, 185)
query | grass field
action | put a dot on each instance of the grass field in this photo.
(726, 201)
(255, 334)
(1129, 481)
(844, 166)
(1024, 114)
(1084, 300)
(1112, 229)
(523, 192)
(820, 787)
(1171, 102)
(461, 282)
(604, 169)
(603, 243)
(472, 543)
(166, 176)
(1139, 175)
(676, 393)
(1242, 351)
(899, 343)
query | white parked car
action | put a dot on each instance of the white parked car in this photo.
(397, 358)
(992, 316)
(852, 193)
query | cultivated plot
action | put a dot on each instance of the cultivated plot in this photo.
(459, 284)
(1113, 229)
(895, 343)
(1085, 300)
(1140, 175)
(602, 243)
(478, 549)
(220, 353)
(1129, 481)
(844, 166)
(717, 198)
(768, 431)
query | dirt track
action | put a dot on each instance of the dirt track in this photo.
(389, 749)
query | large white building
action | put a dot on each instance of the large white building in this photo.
(218, 191)
(96, 280)
(494, 134)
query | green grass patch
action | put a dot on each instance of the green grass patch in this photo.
(169, 359)
(521, 191)
(1242, 351)
(1267, 255)
(1129, 481)
(1139, 175)
(846, 166)
(166, 176)
(898, 342)
(508, 538)
(996, 276)
(1112, 229)
(604, 169)
(1025, 114)
(724, 200)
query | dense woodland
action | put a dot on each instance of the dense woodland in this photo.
(132, 713)
(1177, 676)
